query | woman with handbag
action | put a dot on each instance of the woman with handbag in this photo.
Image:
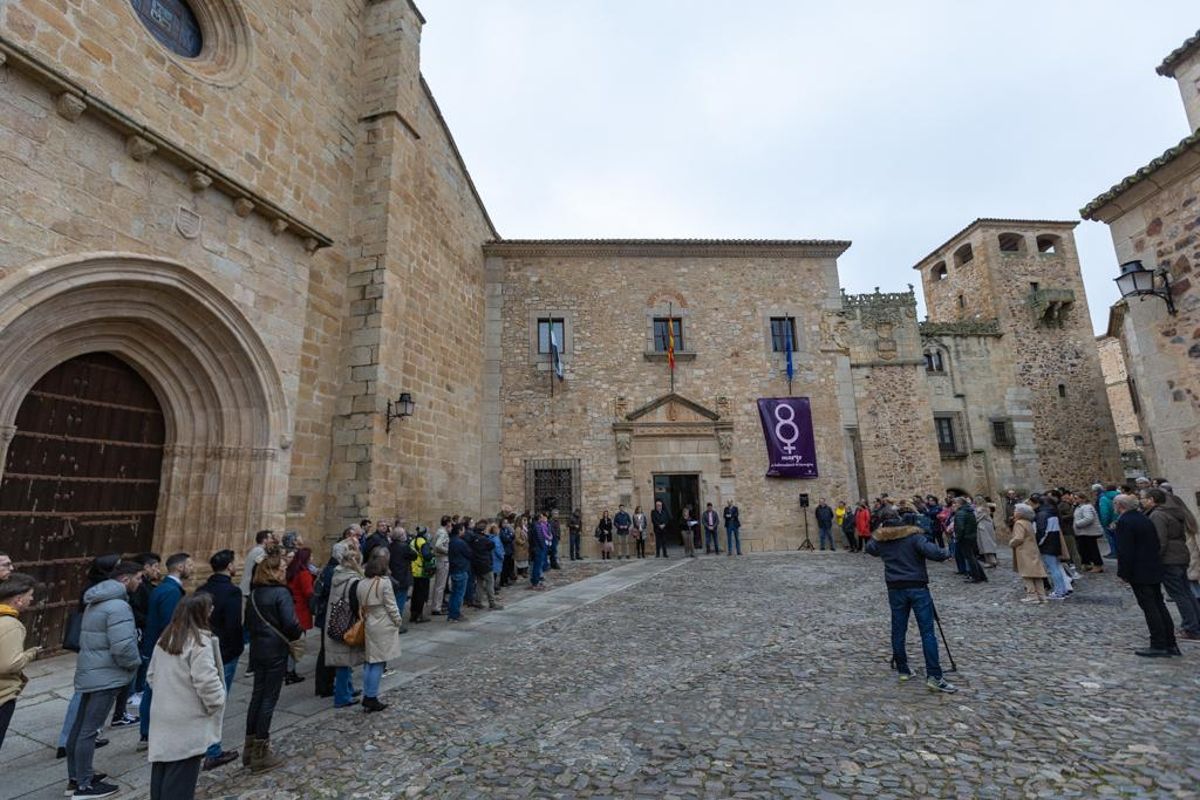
(342, 612)
(186, 675)
(274, 636)
(381, 623)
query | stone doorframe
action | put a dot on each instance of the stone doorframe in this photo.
(672, 416)
(222, 398)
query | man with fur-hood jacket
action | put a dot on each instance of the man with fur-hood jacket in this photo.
(904, 550)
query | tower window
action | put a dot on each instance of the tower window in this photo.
(962, 301)
(934, 361)
(1012, 243)
(1048, 244)
(1062, 390)
(964, 255)
(939, 272)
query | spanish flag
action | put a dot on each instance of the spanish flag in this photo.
(671, 343)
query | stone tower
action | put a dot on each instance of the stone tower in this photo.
(1045, 376)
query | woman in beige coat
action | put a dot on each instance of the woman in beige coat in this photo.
(186, 674)
(1027, 561)
(339, 655)
(377, 599)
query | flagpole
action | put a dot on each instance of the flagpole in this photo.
(671, 343)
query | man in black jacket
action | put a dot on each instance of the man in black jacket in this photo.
(481, 567)
(660, 520)
(1139, 564)
(226, 621)
(824, 515)
(400, 560)
(904, 550)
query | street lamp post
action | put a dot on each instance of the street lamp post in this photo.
(1137, 281)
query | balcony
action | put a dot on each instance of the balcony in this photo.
(1051, 306)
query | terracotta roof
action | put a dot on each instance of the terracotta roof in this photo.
(1167, 67)
(996, 221)
(826, 248)
(1189, 144)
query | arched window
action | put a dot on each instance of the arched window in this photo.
(939, 272)
(1012, 243)
(934, 361)
(964, 255)
(1049, 244)
(173, 24)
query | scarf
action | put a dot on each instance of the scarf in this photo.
(7, 611)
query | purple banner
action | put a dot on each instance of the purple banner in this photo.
(787, 427)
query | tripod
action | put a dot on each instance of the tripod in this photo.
(807, 543)
(937, 618)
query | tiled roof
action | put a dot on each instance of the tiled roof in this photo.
(996, 221)
(1167, 67)
(663, 247)
(1188, 144)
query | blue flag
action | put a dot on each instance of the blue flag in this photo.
(556, 353)
(787, 344)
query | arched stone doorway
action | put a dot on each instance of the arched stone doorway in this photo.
(224, 416)
(81, 478)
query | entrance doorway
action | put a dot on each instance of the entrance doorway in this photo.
(677, 491)
(80, 480)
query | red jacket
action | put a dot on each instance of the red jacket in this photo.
(862, 522)
(302, 589)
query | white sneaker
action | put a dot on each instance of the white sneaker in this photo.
(135, 699)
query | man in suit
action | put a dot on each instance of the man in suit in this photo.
(660, 520)
(162, 605)
(710, 521)
(1139, 564)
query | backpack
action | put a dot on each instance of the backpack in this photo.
(428, 557)
(343, 614)
(320, 595)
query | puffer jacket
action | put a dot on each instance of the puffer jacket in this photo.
(904, 550)
(275, 605)
(1087, 524)
(108, 640)
(1171, 526)
(966, 525)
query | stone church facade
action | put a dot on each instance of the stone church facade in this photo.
(236, 234)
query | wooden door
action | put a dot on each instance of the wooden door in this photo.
(80, 480)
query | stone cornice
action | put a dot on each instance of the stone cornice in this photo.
(667, 248)
(1108, 206)
(73, 99)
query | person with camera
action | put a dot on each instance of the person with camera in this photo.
(904, 550)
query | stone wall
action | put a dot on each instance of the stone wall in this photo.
(1120, 397)
(608, 293)
(1187, 75)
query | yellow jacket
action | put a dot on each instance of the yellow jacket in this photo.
(13, 655)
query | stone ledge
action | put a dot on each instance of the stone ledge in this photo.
(662, 357)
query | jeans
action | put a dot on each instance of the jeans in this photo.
(268, 680)
(458, 590)
(69, 719)
(1175, 581)
(343, 686)
(535, 567)
(732, 536)
(960, 561)
(1057, 579)
(81, 743)
(144, 711)
(711, 540)
(214, 749)
(401, 599)
(1111, 536)
(372, 674)
(920, 602)
(6, 714)
(576, 545)
(826, 535)
(174, 780)
(1158, 619)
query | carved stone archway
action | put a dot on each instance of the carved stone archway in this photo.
(224, 409)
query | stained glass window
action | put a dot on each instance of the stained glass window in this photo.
(172, 23)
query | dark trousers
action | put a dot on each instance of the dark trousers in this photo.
(323, 677)
(1175, 582)
(711, 540)
(6, 714)
(851, 539)
(920, 603)
(268, 680)
(969, 547)
(660, 544)
(81, 742)
(508, 575)
(1158, 619)
(1089, 551)
(576, 546)
(639, 544)
(175, 780)
(419, 596)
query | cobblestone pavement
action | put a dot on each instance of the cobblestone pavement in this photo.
(767, 677)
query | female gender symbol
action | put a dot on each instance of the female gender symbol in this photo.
(781, 423)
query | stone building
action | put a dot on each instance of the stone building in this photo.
(238, 245)
(1017, 391)
(1122, 399)
(1154, 220)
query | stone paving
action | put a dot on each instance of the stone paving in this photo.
(762, 677)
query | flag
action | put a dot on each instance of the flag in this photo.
(787, 344)
(556, 353)
(671, 343)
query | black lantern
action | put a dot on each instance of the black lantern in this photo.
(402, 407)
(1137, 281)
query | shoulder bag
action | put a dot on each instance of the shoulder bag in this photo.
(295, 648)
(356, 634)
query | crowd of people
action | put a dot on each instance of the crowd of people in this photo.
(1055, 539)
(153, 655)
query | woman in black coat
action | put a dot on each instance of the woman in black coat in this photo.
(271, 621)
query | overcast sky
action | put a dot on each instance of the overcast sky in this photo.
(889, 124)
